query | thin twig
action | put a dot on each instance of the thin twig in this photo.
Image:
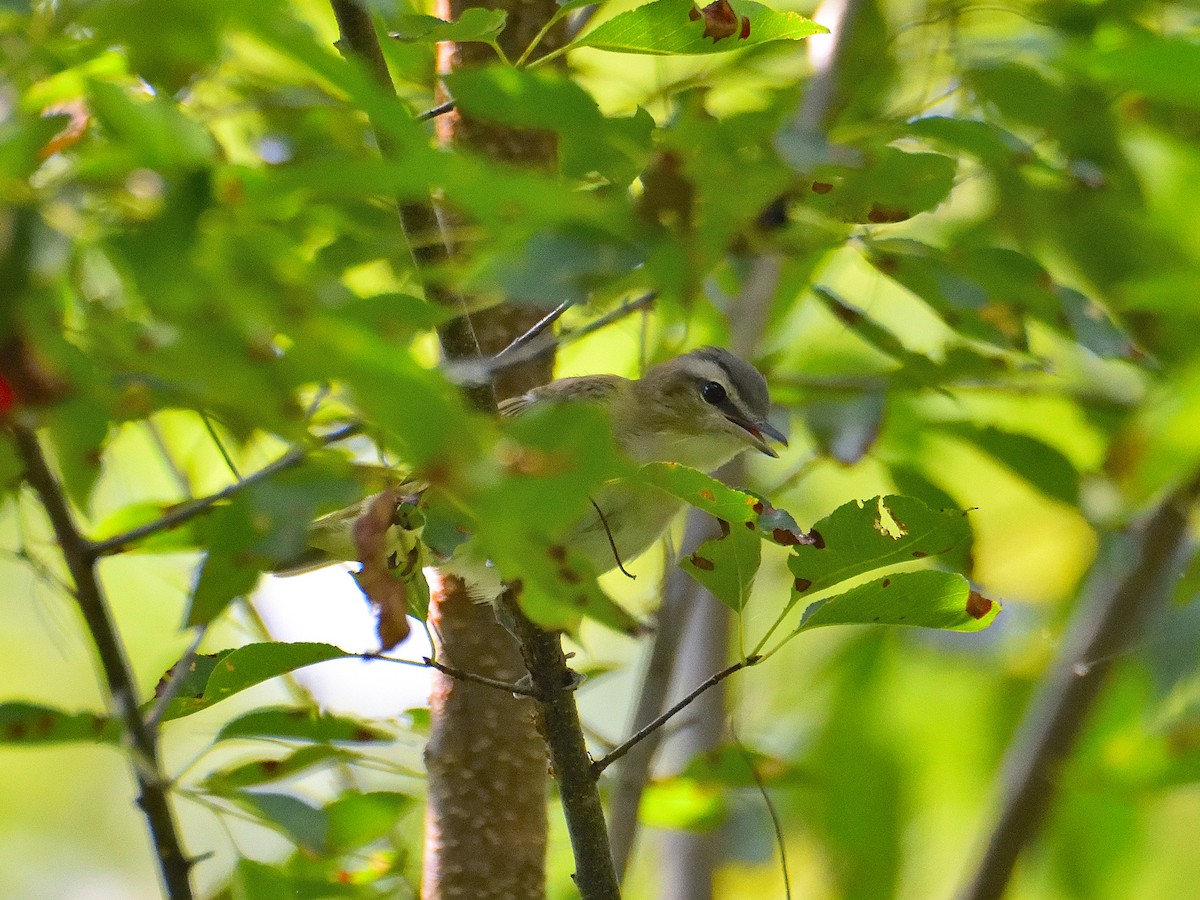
(440, 110)
(612, 542)
(541, 325)
(477, 371)
(608, 759)
(776, 823)
(220, 445)
(174, 866)
(426, 662)
(185, 512)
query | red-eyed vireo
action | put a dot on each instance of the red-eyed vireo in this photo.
(700, 409)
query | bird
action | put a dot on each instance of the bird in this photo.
(699, 409)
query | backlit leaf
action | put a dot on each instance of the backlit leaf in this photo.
(927, 598)
(677, 27)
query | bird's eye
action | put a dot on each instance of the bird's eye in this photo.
(712, 392)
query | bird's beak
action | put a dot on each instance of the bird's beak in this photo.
(759, 431)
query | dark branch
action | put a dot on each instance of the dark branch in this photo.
(559, 723)
(440, 110)
(174, 866)
(540, 326)
(188, 511)
(608, 759)
(476, 372)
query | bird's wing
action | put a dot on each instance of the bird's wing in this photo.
(580, 389)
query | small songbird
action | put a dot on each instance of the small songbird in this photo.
(700, 409)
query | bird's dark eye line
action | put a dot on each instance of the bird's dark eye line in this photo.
(713, 392)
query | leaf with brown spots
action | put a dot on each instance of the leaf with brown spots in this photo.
(726, 565)
(32, 723)
(720, 21)
(862, 536)
(926, 599)
(232, 671)
(679, 27)
(725, 503)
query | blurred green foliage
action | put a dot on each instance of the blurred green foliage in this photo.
(988, 264)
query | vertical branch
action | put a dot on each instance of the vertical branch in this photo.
(1108, 622)
(81, 557)
(486, 810)
(559, 721)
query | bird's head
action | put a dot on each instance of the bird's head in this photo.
(701, 409)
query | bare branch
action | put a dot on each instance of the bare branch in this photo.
(185, 512)
(607, 760)
(174, 867)
(440, 110)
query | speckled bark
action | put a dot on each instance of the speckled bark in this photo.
(485, 825)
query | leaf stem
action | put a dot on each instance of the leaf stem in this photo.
(537, 38)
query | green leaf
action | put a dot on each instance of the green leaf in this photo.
(558, 264)
(263, 771)
(78, 428)
(476, 24)
(864, 535)
(927, 598)
(215, 677)
(1043, 466)
(304, 823)
(668, 27)
(726, 566)
(723, 502)
(1163, 68)
(31, 724)
(891, 185)
(265, 525)
(299, 724)
(734, 766)
(356, 820)
(701, 491)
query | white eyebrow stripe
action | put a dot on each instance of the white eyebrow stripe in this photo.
(707, 370)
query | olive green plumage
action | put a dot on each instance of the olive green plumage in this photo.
(700, 409)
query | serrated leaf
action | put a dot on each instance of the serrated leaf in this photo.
(927, 599)
(476, 24)
(264, 771)
(231, 671)
(861, 536)
(299, 724)
(31, 724)
(726, 565)
(675, 27)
